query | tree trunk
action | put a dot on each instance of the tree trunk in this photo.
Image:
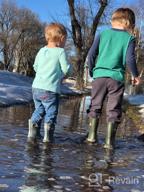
(80, 64)
(78, 36)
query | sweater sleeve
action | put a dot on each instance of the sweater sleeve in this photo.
(65, 67)
(131, 59)
(35, 66)
(93, 53)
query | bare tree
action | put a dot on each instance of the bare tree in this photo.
(139, 34)
(21, 35)
(31, 40)
(84, 24)
(8, 14)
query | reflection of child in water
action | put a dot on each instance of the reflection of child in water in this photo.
(50, 67)
(110, 52)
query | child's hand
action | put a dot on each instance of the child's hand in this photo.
(136, 81)
(63, 79)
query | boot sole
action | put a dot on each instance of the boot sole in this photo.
(108, 147)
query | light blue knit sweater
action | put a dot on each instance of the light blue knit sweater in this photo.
(50, 66)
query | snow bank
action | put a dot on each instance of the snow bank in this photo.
(16, 88)
(137, 100)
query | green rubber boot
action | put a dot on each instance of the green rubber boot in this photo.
(48, 132)
(110, 137)
(92, 135)
(32, 131)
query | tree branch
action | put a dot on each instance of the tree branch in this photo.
(98, 16)
(76, 28)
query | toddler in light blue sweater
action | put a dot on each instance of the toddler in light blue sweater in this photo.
(50, 66)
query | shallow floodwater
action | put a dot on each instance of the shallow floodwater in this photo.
(68, 164)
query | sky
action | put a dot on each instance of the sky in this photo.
(47, 10)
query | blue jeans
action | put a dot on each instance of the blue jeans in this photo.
(46, 106)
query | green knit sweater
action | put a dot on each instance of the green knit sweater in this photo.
(111, 59)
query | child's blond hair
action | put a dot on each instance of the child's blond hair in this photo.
(125, 16)
(55, 32)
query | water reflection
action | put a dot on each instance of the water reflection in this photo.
(72, 114)
(68, 164)
(39, 172)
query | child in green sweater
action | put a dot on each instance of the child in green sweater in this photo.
(112, 50)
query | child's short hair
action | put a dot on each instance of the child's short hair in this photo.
(55, 32)
(125, 16)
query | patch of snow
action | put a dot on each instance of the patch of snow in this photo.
(17, 89)
(137, 100)
(14, 88)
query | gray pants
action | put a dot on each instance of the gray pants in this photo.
(113, 90)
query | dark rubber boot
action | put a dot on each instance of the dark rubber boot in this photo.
(32, 131)
(110, 137)
(48, 132)
(92, 135)
(38, 134)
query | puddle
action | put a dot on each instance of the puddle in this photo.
(68, 164)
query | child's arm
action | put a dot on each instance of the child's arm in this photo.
(35, 66)
(131, 62)
(93, 52)
(65, 67)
